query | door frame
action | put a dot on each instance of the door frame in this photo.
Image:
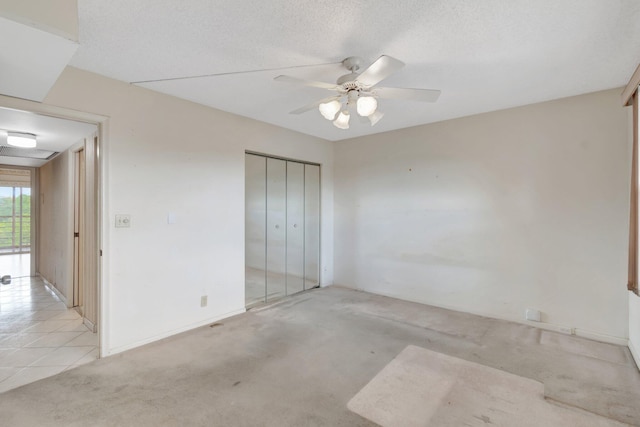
(78, 231)
(101, 220)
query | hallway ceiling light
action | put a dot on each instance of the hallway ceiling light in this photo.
(22, 140)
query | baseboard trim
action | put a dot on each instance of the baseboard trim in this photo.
(579, 332)
(634, 353)
(120, 349)
(595, 336)
(89, 324)
(54, 290)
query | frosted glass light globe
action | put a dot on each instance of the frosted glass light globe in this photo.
(329, 109)
(367, 105)
(342, 122)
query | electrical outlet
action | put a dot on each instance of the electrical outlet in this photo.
(203, 301)
(568, 331)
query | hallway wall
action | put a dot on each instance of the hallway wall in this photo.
(55, 248)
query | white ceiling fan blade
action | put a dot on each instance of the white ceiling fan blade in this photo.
(382, 68)
(295, 80)
(425, 95)
(314, 105)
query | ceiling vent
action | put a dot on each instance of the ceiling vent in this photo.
(27, 153)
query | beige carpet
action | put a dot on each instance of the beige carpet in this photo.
(424, 388)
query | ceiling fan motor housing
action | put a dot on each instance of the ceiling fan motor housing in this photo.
(353, 63)
(348, 81)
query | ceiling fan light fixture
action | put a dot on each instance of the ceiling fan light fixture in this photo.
(342, 122)
(366, 105)
(358, 91)
(21, 139)
(375, 117)
(329, 109)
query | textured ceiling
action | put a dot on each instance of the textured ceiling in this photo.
(483, 55)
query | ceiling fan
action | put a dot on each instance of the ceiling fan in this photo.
(359, 90)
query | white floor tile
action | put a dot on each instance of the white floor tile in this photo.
(69, 314)
(24, 356)
(54, 339)
(14, 328)
(57, 306)
(44, 314)
(20, 340)
(48, 326)
(63, 356)
(37, 329)
(87, 338)
(4, 352)
(74, 326)
(7, 372)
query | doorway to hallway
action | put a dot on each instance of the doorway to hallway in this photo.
(40, 333)
(64, 138)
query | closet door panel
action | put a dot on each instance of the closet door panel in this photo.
(312, 226)
(276, 227)
(295, 227)
(255, 228)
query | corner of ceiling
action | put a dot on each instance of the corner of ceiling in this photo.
(33, 61)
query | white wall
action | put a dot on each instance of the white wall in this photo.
(165, 155)
(494, 213)
(55, 226)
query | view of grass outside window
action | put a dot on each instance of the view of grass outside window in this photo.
(15, 219)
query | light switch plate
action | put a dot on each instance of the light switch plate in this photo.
(123, 221)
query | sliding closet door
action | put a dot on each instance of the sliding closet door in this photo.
(276, 227)
(311, 226)
(282, 228)
(255, 228)
(295, 227)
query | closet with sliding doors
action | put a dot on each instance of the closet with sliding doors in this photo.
(282, 227)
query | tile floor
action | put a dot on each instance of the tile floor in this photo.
(39, 336)
(16, 265)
